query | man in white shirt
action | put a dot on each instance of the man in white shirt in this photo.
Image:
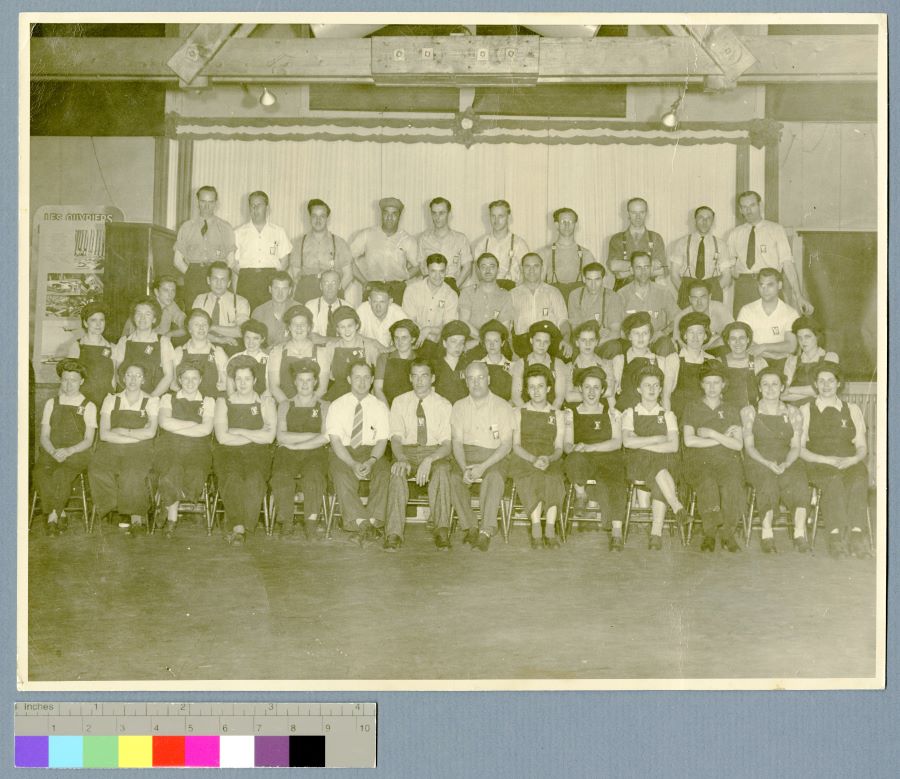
(227, 310)
(383, 253)
(324, 306)
(420, 443)
(358, 426)
(506, 246)
(378, 314)
(430, 302)
(262, 249)
(440, 239)
(534, 301)
(758, 244)
(771, 319)
(701, 254)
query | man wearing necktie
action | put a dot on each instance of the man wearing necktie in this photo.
(758, 244)
(227, 311)
(358, 426)
(324, 306)
(702, 255)
(201, 241)
(420, 443)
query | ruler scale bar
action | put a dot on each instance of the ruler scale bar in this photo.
(225, 735)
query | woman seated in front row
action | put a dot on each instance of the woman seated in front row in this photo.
(535, 463)
(650, 438)
(301, 451)
(594, 452)
(120, 468)
(772, 463)
(68, 426)
(245, 428)
(184, 448)
(833, 445)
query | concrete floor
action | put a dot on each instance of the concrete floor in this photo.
(106, 607)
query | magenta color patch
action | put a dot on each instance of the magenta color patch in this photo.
(201, 751)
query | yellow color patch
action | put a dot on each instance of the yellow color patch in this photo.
(135, 751)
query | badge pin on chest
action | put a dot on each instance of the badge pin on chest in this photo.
(148, 349)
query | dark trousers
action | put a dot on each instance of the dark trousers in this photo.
(718, 481)
(790, 487)
(119, 477)
(438, 491)
(608, 470)
(845, 494)
(490, 493)
(241, 474)
(253, 284)
(194, 284)
(311, 467)
(54, 480)
(536, 487)
(346, 487)
(182, 465)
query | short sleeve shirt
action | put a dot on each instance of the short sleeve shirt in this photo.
(657, 300)
(318, 252)
(716, 257)
(378, 329)
(195, 247)
(768, 328)
(376, 421)
(260, 248)
(384, 257)
(405, 421)
(508, 250)
(485, 304)
(90, 410)
(605, 309)
(429, 307)
(545, 302)
(483, 424)
(454, 246)
(671, 423)
(773, 249)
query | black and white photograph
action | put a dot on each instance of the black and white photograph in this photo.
(452, 351)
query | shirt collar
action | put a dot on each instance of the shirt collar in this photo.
(823, 403)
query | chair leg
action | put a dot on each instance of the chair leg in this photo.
(748, 519)
(329, 514)
(692, 513)
(34, 500)
(629, 499)
(869, 527)
(506, 511)
(84, 499)
(567, 511)
(816, 502)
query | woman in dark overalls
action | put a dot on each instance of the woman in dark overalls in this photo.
(301, 451)
(694, 331)
(741, 367)
(120, 468)
(350, 347)
(392, 368)
(68, 426)
(184, 448)
(593, 448)
(209, 358)
(494, 337)
(638, 329)
(650, 438)
(798, 368)
(245, 429)
(94, 353)
(298, 320)
(772, 465)
(146, 348)
(535, 463)
(544, 337)
(833, 445)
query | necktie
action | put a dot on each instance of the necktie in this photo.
(356, 435)
(329, 328)
(700, 271)
(215, 313)
(751, 248)
(204, 229)
(421, 426)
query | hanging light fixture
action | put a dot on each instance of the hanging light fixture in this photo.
(670, 118)
(267, 98)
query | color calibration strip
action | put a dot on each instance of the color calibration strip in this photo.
(195, 735)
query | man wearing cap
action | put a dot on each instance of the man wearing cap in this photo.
(430, 302)
(449, 370)
(324, 307)
(544, 338)
(384, 253)
(358, 426)
(452, 244)
(507, 247)
(262, 249)
(565, 258)
(758, 244)
(594, 301)
(533, 301)
(319, 250)
(420, 444)
(481, 427)
(271, 312)
(227, 310)
(378, 313)
(636, 238)
(701, 256)
(771, 319)
(202, 241)
(641, 294)
(699, 302)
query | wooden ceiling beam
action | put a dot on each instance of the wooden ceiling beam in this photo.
(598, 60)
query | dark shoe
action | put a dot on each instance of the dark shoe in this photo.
(552, 542)
(484, 541)
(801, 545)
(471, 536)
(731, 544)
(53, 529)
(616, 544)
(655, 543)
(767, 545)
(377, 532)
(708, 544)
(169, 529)
(858, 546)
(366, 533)
(836, 546)
(237, 539)
(393, 542)
(136, 529)
(442, 538)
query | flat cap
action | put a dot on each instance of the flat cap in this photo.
(390, 202)
(454, 327)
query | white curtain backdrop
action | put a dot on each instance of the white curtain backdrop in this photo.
(595, 180)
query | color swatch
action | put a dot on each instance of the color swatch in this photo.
(170, 751)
